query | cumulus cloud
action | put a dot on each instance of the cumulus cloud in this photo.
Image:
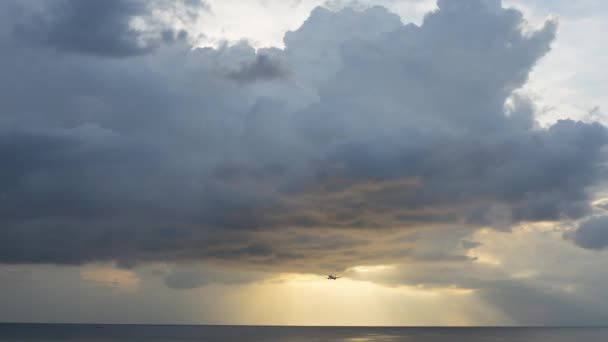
(377, 126)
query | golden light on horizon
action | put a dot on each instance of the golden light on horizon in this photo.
(109, 276)
(374, 268)
(307, 299)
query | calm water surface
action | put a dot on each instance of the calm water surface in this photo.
(67, 332)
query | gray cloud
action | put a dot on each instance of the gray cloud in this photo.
(591, 234)
(261, 69)
(92, 27)
(378, 126)
(196, 276)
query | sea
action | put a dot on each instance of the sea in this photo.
(71, 332)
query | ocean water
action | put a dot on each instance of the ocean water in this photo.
(68, 332)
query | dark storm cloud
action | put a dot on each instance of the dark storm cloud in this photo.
(91, 27)
(261, 69)
(591, 234)
(63, 171)
(377, 126)
(102, 28)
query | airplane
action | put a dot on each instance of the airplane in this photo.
(333, 277)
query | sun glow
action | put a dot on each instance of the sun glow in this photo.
(375, 268)
(307, 299)
(111, 277)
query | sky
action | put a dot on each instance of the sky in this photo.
(211, 162)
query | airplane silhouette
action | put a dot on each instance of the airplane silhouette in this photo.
(333, 277)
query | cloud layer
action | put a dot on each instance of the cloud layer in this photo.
(127, 145)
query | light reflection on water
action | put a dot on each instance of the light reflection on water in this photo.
(375, 338)
(40, 332)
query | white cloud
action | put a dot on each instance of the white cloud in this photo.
(568, 83)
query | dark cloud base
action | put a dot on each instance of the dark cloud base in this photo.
(96, 28)
(360, 124)
(591, 233)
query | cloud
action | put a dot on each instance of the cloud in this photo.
(591, 234)
(262, 68)
(187, 277)
(379, 126)
(531, 276)
(94, 28)
(117, 279)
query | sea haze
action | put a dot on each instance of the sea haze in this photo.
(69, 332)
